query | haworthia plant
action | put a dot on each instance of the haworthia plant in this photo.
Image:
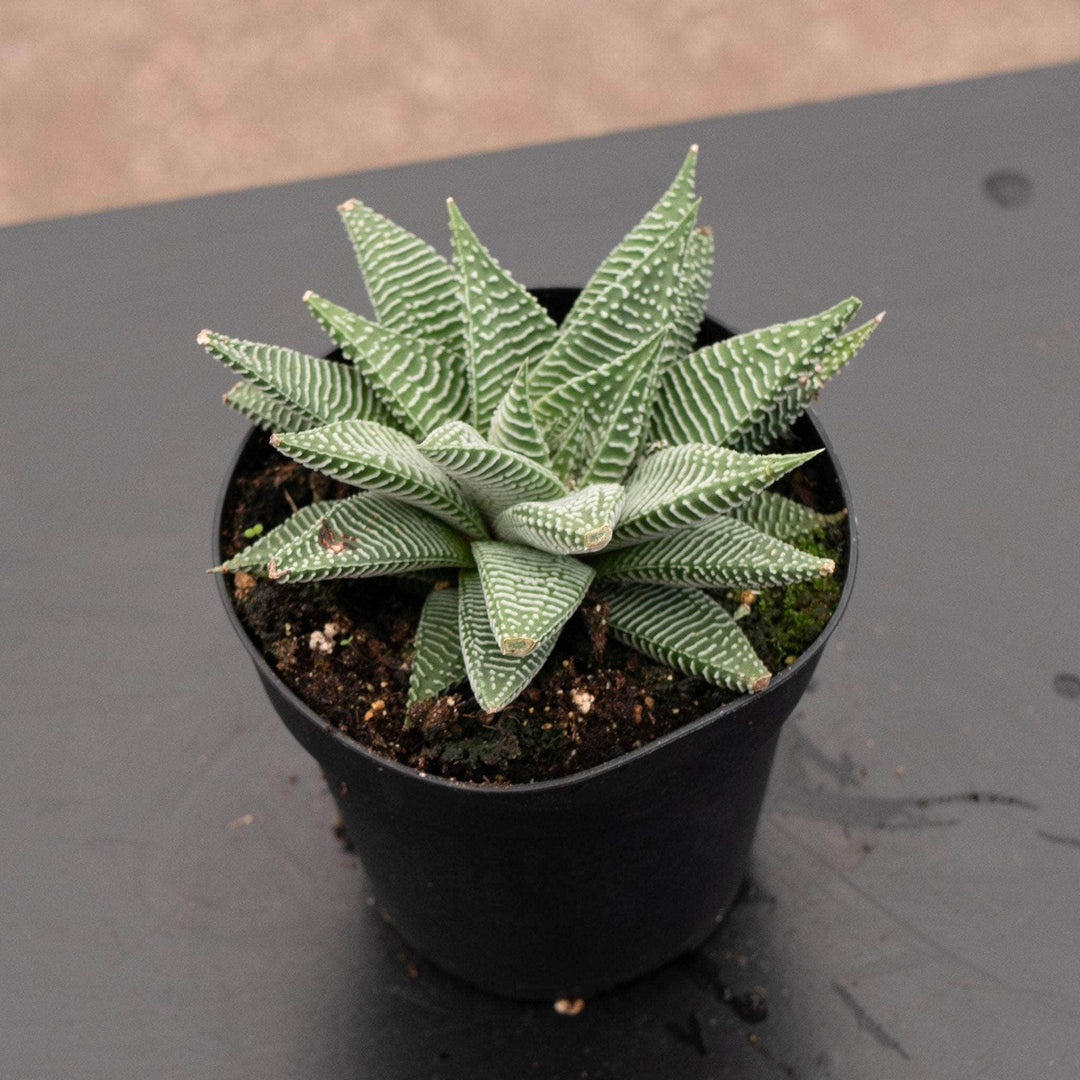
(526, 460)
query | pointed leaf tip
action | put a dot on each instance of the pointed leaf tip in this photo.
(346, 206)
(307, 295)
(760, 684)
(203, 337)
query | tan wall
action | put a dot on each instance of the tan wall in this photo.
(110, 102)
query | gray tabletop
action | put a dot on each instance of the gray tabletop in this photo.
(175, 903)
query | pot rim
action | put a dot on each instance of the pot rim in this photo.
(729, 711)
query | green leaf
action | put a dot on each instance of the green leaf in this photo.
(505, 327)
(437, 661)
(514, 426)
(682, 485)
(629, 312)
(691, 293)
(255, 557)
(569, 450)
(374, 456)
(781, 517)
(412, 287)
(687, 630)
(421, 383)
(615, 399)
(529, 594)
(720, 552)
(494, 479)
(496, 678)
(368, 535)
(636, 248)
(322, 390)
(266, 411)
(577, 524)
(727, 393)
(790, 405)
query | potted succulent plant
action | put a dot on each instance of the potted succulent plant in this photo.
(521, 474)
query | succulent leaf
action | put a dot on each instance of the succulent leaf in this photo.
(691, 293)
(494, 479)
(720, 552)
(791, 403)
(421, 383)
(322, 390)
(577, 524)
(437, 661)
(782, 517)
(637, 246)
(628, 312)
(529, 593)
(682, 485)
(514, 426)
(255, 557)
(368, 535)
(412, 287)
(687, 630)
(505, 327)
(569, 448)
(496, 678)
(375, 456)
(265, 411)
(727, 392)
(615, 398)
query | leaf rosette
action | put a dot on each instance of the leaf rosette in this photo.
(536, 460)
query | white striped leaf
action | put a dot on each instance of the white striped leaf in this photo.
(530, 594)
(729, 390)
(691, 292)
(265, 411)
(682, 485)
(615, 399)
(569, 449)
(576, 524)
(718, 553)
(631, 310)
(255, 556)
(422, 383)
(791, 403)
(374, 456)
(368, 535)
(505, 327)
(637, 245)
(782, 517)
(437, 661)
(412, 287)
(323, 390)
(496, 679)
(492, 478)
(687, 630)
(514, 426)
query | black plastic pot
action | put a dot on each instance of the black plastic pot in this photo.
(564, 887)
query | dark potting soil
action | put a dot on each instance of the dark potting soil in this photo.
(345, 648)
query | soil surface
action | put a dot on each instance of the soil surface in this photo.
(345, 647)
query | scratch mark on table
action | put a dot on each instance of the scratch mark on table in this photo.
(867, 1023)
(1058, 838)
(920, 935)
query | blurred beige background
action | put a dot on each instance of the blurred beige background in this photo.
(105, 103)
